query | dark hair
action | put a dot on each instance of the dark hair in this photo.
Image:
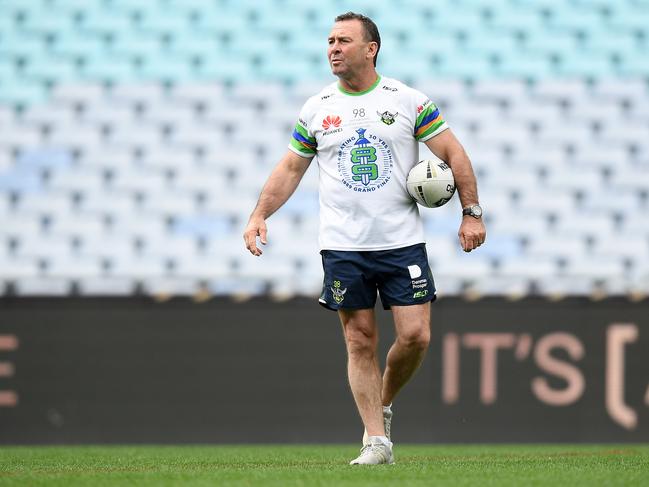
(370, 28)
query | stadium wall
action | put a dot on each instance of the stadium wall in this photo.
(135, 370)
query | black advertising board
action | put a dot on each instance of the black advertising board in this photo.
(120, 370)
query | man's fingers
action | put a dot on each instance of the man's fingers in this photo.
(472, 235)
(262, 234)
(254, 250)
(463, 242)
(250, 238)
(470, 242)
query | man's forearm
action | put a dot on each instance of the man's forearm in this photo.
(448, 148)
(272, 197)
(465, 180)
(280, 186)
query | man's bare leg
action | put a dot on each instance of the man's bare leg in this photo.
(412, 327)
(361, 338)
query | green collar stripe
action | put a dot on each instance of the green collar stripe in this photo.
(359, 93)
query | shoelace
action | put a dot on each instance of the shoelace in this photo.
(373, 449)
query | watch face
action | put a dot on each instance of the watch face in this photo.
(476, 210)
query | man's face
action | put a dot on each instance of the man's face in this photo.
(348, 49)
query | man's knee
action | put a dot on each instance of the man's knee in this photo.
(416, 338)
(360, 340)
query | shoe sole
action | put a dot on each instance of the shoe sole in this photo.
(389, 462)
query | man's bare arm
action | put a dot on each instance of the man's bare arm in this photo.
(448, 149)
(472, 231)
(278, 188)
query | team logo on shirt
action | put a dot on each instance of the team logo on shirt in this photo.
(364, 162)
(387, 117)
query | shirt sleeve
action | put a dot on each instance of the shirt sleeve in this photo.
(429, 120)
(303, 143)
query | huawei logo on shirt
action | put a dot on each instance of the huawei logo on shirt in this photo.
(331, 121)
(421, 107)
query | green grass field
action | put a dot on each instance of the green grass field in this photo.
(483, 465)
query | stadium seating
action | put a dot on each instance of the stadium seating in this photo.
(135, 137)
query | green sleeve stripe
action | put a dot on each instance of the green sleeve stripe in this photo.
(302, 148)
(303, 132)
(429, 130)
(431, 111)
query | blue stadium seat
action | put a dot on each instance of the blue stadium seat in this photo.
(108, 69)
(21, 91)
(20, 181)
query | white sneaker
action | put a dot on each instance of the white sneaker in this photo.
(375, 453)
(387, 423)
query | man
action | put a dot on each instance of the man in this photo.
(365, 130)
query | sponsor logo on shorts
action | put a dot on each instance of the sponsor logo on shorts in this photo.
(419, 283)
(338, 293)
(415, 271)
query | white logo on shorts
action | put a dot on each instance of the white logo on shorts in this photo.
(415, 271)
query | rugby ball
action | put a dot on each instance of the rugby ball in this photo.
(431, 183)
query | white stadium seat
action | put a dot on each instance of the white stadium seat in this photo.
(78, 93)
(138, 267)
(43, 286)
(73, 266)
(170, 286)
(12, 267)
(134, 142)
(106, 286)
(43, 247)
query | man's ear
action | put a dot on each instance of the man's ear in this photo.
(371, 49)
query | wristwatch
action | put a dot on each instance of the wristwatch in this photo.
(474, 210)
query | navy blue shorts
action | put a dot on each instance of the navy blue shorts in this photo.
(402, 277)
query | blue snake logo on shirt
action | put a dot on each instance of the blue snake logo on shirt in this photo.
(364, 163)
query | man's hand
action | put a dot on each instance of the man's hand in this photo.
(472, 233)
(256, 228)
